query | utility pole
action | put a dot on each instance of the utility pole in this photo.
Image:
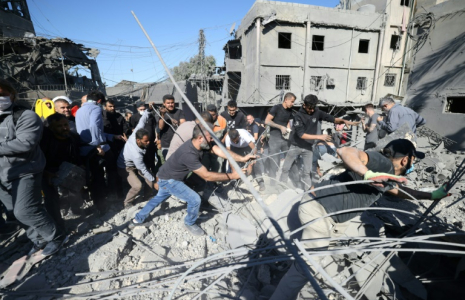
(202, 66)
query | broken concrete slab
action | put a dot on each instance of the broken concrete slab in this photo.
(140, 233)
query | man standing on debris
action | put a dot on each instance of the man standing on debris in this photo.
(151, 127)
(131, 161)
(234, 118)
(63, 106)
(59, 145)
(172, 174)
(21, 166)
(304, 134)
(278, 119)
(371, 127)
(219, 122)
(170, 120)
(95, 148)
(398, 115)
(385, 169)
(242, 143)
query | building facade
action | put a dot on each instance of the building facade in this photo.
(347, 57)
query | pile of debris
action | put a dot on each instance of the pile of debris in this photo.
(241, 255)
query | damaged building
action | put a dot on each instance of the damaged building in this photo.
(40, 67)
(345, 57)
(436, 83)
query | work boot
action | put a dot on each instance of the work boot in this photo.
(262, 188)
(194, 229)
(54, 246)
(36, 247)
(135, 224)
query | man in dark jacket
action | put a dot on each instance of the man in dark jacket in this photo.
(21, 165)
(304, 134)
(59, 145)
(114, 123)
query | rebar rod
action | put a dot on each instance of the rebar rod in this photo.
(234, 164)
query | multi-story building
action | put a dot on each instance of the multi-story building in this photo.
(345, 56)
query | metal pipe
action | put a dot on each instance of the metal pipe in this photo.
(379, 57)
(348, 69)
(64, 72)
(236, 167)
(323, 273)
(404, 58)
(257, 78)
(306, 82)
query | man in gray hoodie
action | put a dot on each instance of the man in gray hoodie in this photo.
(21, 166)
(398, 115)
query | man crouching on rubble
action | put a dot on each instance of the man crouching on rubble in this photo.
(395, 159)
(186, 159)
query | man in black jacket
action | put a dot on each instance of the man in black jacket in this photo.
(234, 118)
(303, 136)
(59, 145)
(114, 123)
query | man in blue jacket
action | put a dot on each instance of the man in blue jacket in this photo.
(89, 124)
(398, 115)
(21, 166)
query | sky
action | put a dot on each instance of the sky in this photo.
(125, 53)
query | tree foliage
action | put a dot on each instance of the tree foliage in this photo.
(185, 69)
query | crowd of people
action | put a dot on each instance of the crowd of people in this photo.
(155, 153)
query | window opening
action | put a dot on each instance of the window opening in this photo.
(284, 40)
(390, 79)
(361, 83)
(455, 105)
(318, 42)
(363, 46)
(283, 82)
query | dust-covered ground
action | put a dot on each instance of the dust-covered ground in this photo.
(240, 257)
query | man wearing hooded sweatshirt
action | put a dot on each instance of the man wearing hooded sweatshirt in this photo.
(21, 166)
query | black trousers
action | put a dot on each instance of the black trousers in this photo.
(22, 196)
(99, 188)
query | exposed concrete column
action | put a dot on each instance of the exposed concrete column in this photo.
(257, 79)
(306, 79)
(379, 57)
(350, 62)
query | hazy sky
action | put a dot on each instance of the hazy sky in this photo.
(125, 53)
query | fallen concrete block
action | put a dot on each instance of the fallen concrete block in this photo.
(140, 233)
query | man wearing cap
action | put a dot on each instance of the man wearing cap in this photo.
(386, 170)
(63, 106)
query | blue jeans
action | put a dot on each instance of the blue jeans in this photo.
(171, 187)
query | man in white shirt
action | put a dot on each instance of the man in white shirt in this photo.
(241, 142)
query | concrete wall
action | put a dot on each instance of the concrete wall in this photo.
(438, 72)
(342, 30)
(12, 25)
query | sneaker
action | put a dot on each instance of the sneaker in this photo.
(54, 246)
(262, 186)
(36, 248)
(135, 224)
(194, 229)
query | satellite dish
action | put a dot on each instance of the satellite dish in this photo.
(231, 30)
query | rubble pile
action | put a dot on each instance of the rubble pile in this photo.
(103, 258)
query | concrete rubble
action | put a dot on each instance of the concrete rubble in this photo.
(103, 253)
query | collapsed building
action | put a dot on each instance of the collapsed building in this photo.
(40, 67)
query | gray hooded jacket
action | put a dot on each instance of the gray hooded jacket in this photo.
(398, 115)
(20, 153)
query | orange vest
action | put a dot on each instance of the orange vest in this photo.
(220, 124)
